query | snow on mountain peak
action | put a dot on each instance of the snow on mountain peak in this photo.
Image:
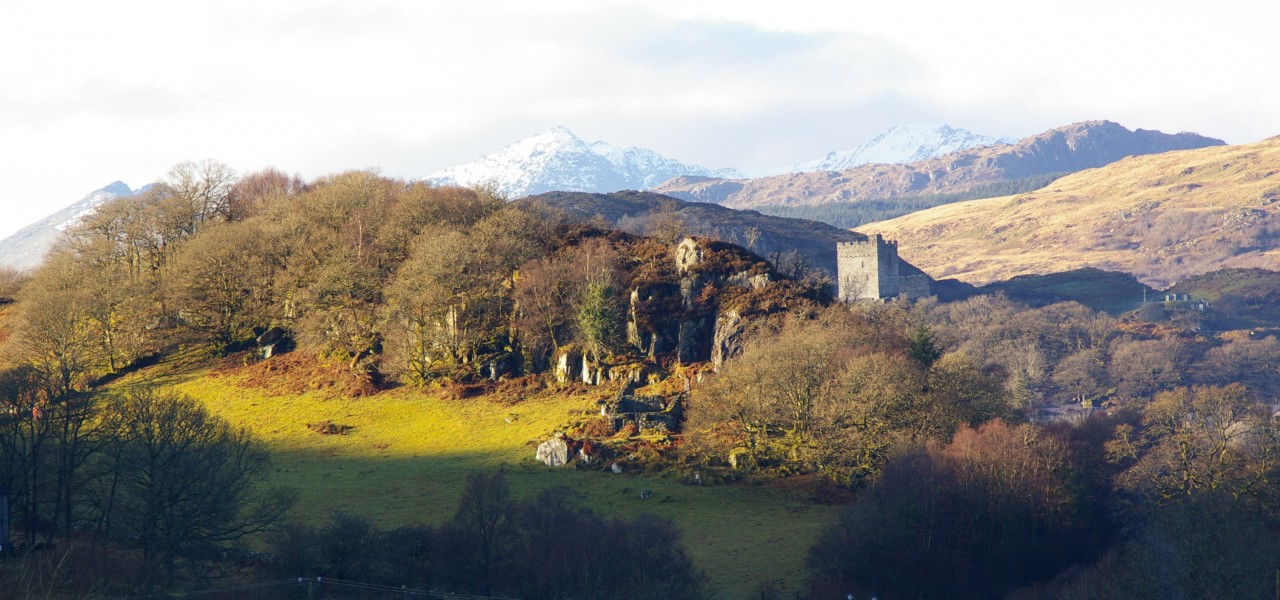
(27, 248)
(77, 212)
(552, 139)
(902, 144)
(558, 160)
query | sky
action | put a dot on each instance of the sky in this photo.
(102, 90)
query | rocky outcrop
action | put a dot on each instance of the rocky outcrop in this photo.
(553, 452)
(650, 326)
(728, 338)
(689, 253)
(566, 359)
(571, 364)
(682, 313)
(274, 341)
(707, 270)
(721, 287)
(694, 333)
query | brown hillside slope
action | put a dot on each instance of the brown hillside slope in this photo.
(1161, 217)
(1062, 150)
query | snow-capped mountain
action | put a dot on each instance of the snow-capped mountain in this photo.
(902, 144)
(26, 248)
(557, 160)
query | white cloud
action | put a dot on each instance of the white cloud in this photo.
(96, 91)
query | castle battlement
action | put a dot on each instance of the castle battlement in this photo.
(871, 242)
(870, 271)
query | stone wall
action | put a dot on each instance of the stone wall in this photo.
(914, 287)
(868, 270)
(871, 270)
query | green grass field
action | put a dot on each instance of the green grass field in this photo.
(410, 451)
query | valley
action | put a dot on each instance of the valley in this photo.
(384, 353)
(639, 300)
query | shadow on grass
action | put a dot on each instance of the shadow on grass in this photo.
(740, 535)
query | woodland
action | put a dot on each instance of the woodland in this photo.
(979, 448)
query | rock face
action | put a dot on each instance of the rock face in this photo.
(728, 336)
(553, 452)
(684, 317)
(695, 308)
(688, 254)
(566, 359)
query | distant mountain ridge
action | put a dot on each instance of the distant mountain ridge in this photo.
(557, 160)
(1162, 217)
(1061, 150)
(903, 144)
(27, 248)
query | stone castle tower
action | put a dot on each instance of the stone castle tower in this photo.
(871, 270)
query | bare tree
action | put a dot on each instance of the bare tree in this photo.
(11, 281)
(183, 479)
(542, 297)
(25, 439)
(52, 332)
(1197, 440)
(223, 282)
(252, 194)
(204, 187)
(482, 532)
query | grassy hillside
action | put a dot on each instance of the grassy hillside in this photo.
(409, 452)
(1240, 298)
(1163, 218)
(852, 214)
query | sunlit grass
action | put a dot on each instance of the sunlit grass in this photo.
(408, 455)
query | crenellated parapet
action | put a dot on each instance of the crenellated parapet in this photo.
(871, 270)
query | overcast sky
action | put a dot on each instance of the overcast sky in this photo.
(101, 90)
